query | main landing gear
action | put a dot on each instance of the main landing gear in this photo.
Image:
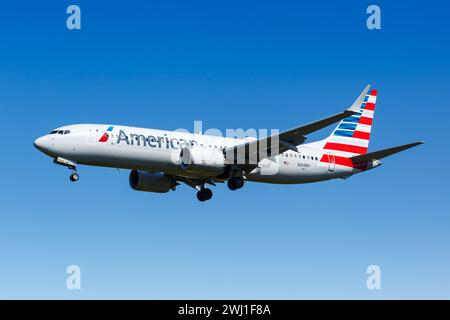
(235, 183)
(204, 194)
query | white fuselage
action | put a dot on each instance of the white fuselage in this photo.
(159, 151)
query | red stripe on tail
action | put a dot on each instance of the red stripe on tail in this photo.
(345, 147)
(361, 135)
(370, 106)
(365, 120)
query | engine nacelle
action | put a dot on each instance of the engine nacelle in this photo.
(151, 181)
(205, 161)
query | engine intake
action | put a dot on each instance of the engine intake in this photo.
(151, 181)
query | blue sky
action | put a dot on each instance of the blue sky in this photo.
(233, 64)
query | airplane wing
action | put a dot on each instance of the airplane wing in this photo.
(377, 155)
(249, 154)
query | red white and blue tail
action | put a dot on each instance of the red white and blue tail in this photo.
(351, 137)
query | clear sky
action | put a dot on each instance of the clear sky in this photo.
(231, 64)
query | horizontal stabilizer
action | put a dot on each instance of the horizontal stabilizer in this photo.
(376, 155)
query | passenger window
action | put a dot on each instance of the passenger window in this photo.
(303, 157)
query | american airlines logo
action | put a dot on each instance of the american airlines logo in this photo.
(105, 136)
(163, 141)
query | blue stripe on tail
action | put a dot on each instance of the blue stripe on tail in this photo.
(343, 133)
(348, 126)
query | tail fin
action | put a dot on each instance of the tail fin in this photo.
(351, 137)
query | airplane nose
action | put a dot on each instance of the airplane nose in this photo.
(39, 144)
(45, 145)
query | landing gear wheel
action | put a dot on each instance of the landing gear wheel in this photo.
(204, 194)
(74, 177)
(208, 194)
(235, 183)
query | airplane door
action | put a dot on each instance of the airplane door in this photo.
(331, 162)
(92, 137)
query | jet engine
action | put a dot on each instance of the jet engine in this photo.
(151, 181)
(206, 161)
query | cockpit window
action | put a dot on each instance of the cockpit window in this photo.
(60, 132)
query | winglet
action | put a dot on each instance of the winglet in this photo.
(356, 106)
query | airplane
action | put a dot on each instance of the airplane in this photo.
(160, 160)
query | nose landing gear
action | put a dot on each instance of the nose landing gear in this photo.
(74, 177)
